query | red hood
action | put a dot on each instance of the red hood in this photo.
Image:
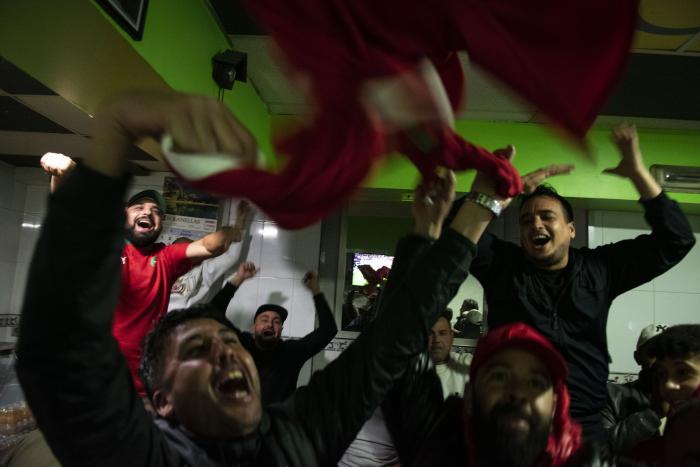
(565, 437)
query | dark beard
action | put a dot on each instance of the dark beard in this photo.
(500, 449)
(140, 239)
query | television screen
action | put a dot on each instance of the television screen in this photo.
(370, 264)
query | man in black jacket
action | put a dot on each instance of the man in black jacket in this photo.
(279, 361)
(629, 416)
(203, 384)
(565, 293)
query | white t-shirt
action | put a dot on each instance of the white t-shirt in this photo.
(454, 374)
(373, 446)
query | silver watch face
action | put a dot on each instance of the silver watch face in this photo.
(487, 202)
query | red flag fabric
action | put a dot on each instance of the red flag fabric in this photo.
(564, 56)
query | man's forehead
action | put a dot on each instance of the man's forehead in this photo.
(144, 200)
(517, 358)
(541, 203)
(691, 360)
(272, 314)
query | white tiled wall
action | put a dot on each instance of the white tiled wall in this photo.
(672, 298)
(17, 231)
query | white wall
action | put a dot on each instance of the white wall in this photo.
(11, 213)
(672, 298)
(22, 203)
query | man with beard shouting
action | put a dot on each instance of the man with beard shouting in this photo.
(514, 413)
(148, 269)
(278, 360)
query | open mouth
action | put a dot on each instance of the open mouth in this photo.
(233, 384)
(144, 224)
(540, 240)
(268, 333)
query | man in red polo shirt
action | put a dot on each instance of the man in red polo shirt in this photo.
(150, 269)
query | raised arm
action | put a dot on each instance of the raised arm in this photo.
(318, 339)
(636, 261)
(420, 388)
(245, 271)
(74, 377)
(216, 270)
(432, 200)
(214, 244)
(352, 386)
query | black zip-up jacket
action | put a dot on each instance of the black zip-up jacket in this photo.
(628, 416)
(79, 388)
(279, 367)
(576, 321)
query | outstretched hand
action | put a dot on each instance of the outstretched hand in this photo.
(58, 166)
(484, 184)
(245, 271)
(310, 281)
(536, 177)
(431, 203)
(197, 124)
(624, 136)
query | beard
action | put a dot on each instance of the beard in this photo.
(500, 448)
(266, 340)
(141, 239)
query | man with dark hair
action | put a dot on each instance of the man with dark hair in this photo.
(565, 293)
(676, 380)
(452, 368)
(676, 368)
(204, 384)
(279, 361)
(628, 415)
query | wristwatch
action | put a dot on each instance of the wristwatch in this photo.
(484, 201)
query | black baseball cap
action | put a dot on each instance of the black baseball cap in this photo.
(150, 194)
(280, 310)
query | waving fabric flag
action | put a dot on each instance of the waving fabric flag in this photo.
(384, 76)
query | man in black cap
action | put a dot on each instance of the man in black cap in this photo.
(279, 361)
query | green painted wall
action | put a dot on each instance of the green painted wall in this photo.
(537, 146)
(179, 39)
(179, 42)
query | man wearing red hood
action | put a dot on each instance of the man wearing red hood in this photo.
(515, 411)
